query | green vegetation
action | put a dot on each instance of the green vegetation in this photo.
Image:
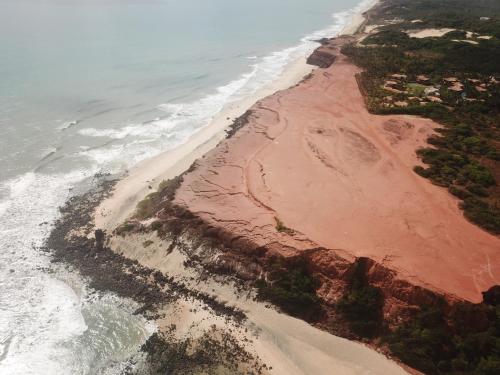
(468, 342)
(147, 243)
(362, 303)
(156, 225)
(148, 207)
(282, 228)
(416, 89)
(291, 287)
(465, 155)
(457, 85)
(124, 228)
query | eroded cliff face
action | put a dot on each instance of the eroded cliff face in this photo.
(313, 201)
(219, 251)
(324, 56)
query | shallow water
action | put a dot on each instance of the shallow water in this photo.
(89, 86)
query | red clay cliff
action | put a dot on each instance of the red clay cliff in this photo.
(314, 160)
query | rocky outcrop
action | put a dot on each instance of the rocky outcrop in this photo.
(324, 56)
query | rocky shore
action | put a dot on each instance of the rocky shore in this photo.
(75, 242)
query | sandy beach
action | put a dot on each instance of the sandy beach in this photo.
(288, 345)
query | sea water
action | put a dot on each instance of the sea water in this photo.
(91, 86)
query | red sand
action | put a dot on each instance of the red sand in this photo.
(342, 178)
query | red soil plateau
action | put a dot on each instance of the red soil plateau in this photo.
(313, 157)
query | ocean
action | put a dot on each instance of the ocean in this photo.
(89, 86)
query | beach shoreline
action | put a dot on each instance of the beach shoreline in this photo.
(146, 176)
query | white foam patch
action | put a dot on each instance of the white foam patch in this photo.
(37, 310)
(42, 329)
(3, 207)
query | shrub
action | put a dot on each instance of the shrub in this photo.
(147, 243)
(292, 288)
(146, 208)
(466, 342)
(362, 303)
(156, 225)
(282, 228)
(482, 213)
(125, 228)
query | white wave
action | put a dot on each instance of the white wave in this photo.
(109, 133)
(3, 207)
(35, 321)
(41, 317)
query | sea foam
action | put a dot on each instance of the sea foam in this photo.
(42, 326)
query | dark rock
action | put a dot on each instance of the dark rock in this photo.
(99, 239)
(492, 296)
(321, 57)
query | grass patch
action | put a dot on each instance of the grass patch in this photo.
(282, 228)
(150, 205)
(147, 207)
(415, 89)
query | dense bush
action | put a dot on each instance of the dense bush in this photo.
(291, 287)
(150, 205)
(468, 342)
(362, 303)
(482, 213)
